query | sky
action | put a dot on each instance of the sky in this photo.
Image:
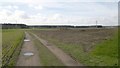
(59, 12)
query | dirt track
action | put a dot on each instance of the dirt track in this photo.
(28, 60)
(66, 59)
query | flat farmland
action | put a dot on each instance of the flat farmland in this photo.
(11, 45)
(90, 47)
(60, 47)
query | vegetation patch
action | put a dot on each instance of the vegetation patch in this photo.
(12, 40)
(107, 51)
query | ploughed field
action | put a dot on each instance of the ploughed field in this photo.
(88, 46)
(11, 45)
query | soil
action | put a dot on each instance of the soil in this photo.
(32, 60)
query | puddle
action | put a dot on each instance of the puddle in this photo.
(28, 54)
(26, 40)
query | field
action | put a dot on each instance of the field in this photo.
(11, 45)
(91, 47)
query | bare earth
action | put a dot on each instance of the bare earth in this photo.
(65, 58)
(33, 60)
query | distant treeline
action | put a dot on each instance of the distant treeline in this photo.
(12, 26)
(64, 26)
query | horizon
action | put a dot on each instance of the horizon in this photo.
(56, 24)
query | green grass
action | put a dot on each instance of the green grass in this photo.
(107, 51)
(46, 57)
(11, 45)
(119, 36)
(0, 46)
(108, 48)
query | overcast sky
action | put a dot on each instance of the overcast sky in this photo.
(54, 12)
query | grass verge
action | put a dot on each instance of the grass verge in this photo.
(11, 45)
